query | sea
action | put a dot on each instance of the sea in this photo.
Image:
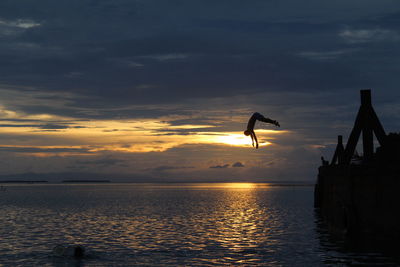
(128, 224)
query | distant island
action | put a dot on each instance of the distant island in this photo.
(85, 181)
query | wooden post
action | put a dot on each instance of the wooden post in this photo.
(339, 152)
(366, 97)
(368, 138)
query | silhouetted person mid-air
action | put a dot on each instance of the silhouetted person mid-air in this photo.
(250, 126)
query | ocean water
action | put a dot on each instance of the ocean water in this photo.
(169, 225)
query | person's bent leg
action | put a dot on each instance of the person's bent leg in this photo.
(267, 120)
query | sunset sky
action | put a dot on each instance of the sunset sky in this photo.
(153, 90)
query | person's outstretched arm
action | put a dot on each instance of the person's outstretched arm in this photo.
(255, 138)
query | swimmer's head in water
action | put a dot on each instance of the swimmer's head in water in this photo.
(247, 133)
(79, 252)
(75, 251)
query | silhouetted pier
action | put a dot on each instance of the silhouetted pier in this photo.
(360, 195)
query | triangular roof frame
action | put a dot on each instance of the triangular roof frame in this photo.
(368, 123)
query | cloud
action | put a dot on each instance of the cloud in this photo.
(167, 57)
(324, 55)
(89, 58)
(18, 125)
(237, 164)
(225, 166)
(356, 36)
(102, 162)
(15, 27)
(20, 149)
(20, 23)
(50, 126)
(220, 166)
(171, 167)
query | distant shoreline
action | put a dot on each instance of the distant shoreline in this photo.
(85, 181)
(22, 181)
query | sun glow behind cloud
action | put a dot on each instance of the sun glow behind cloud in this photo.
(227, 138)
(126, 136)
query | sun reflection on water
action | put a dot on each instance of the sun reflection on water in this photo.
(240, 221)
(233, 222)
(225, 216)
(240, 185)
(208, 186)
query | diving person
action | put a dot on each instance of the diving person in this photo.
(250, 126)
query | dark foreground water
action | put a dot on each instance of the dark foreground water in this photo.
(178, 224)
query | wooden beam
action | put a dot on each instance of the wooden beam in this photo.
(377, 128)
(353, 139)
(367, 133)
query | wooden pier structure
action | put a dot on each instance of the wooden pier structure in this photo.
(362, 197)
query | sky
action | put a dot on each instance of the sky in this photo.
(153, 90)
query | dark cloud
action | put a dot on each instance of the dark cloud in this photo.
(168, 168)
(191, 131)
(199, 121)
(238, 164)
(220, 166)
(50, 126)
(18, 125)
(47, 126)
(43, 150)
(235, 165)
(102, 162)
(81, 47)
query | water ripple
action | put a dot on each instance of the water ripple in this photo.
(154, 225)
